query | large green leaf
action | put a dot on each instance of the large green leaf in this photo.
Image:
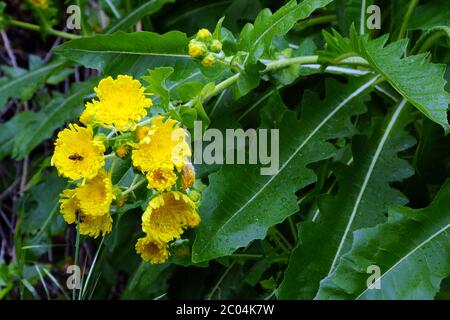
(412, 250)
(54, 115)
(25, 85)
(129, 53)
(236, 211)
(430, 15)
(419, 81)
(363, 198)
(148, 7)
(256, 38)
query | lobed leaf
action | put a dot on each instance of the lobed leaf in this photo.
(363, 198)
(412, 249)
(236, 211)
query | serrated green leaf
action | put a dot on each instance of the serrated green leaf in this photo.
(236, 211)
(129, 53)
(411, 249)
(417, 80)
(256, 38)
(157, 84)
(363, 198)
(420, 82)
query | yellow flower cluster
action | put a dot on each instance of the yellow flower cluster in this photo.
(165, 219)
(205, 47)
(158, 150)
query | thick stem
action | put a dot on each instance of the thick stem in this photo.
(34, 27)
(315, 21)
(279, 64)
(428, 43)
(77, 250)
(412, 5)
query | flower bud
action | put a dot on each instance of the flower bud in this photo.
(216, 46)
(187, 176)
(196, 49)
(204, 35)
(208, 61)
(287, 53)
(122, 151)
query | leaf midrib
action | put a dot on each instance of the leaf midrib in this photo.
(366, 180)
(337, 109)
(423, 243)
(129, 53)
(32, 73)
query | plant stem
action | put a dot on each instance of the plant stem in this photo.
(293, 229)
(279, 64)
(210, 295)
(409, 12)
(134, 186)
(315, 21)
(35, 27)
(77, 251)
(431, 40)
(247, 256)
(222, 86)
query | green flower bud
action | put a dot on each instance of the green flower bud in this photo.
(216, 46)
(209, 60)
(204, 35)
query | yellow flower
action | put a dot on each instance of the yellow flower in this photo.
(96, 195)
(89, 225)
(152, 250)
(162, 178)
(142, 132)
(77, 154)
(165, 146)
(69, 206)
(196, 49)
(187, 176)
(204, 35)
(193, 220)
(121, 103)
(92, 226)
(43, 4)
(168, 214)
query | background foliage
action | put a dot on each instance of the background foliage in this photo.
(364, 155)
